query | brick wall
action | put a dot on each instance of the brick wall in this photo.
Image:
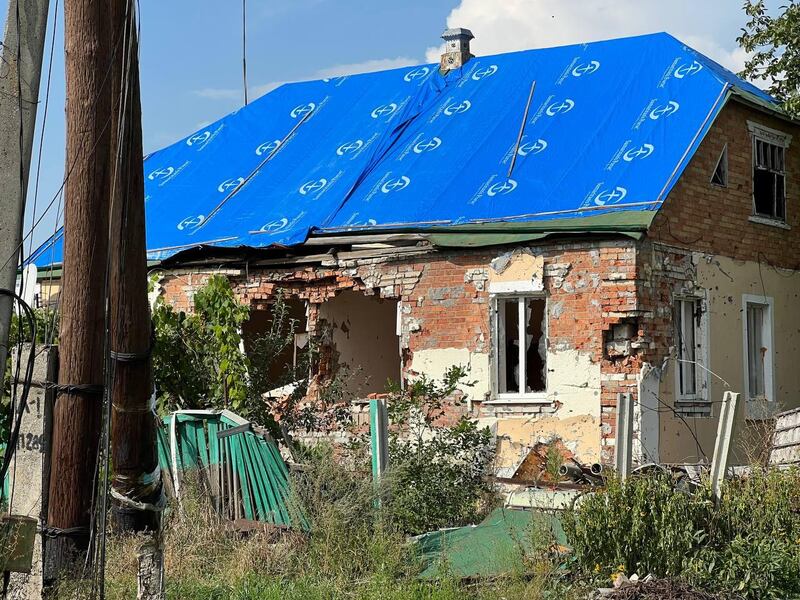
(713, 219)
(445, 303)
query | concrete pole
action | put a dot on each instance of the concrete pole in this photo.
(20, 72)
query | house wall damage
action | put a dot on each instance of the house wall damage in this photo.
(444, 305)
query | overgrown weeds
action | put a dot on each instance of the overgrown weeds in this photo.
(746, 545)
(353, 550)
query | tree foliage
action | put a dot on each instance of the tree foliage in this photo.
(773, 43)
(197, 362)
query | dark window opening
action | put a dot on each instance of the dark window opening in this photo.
(720, 176)
(769, 174)
(275, 342)
(521, 318)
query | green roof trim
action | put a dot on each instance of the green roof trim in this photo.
(631, 224)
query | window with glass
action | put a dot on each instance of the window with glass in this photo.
(521, 352)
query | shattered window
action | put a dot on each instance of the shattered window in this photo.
(769, 179)
(687, 317)
(521, 345)
(758, 353)
(720, 176)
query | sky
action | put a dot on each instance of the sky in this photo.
(191, 53)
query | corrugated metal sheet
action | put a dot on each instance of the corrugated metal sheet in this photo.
(786, 440)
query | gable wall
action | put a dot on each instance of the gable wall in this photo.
(708, 218)
(702, 244)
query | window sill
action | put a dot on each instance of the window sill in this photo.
(538, 398)
(770, 222)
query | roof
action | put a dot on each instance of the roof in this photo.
(609, 130)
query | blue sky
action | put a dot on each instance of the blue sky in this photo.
(191, 68)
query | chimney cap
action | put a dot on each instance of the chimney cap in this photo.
(457, 32)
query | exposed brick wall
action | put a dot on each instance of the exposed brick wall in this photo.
(590, 285)
(713, 219)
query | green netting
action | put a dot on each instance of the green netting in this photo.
(496, 546)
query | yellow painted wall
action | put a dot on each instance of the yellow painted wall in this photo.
(725, 281)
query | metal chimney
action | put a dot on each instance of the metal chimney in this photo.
(456, 52)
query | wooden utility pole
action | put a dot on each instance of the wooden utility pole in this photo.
(20, 72)
(136, 484)
(78, 405)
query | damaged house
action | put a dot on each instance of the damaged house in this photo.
(570, 223)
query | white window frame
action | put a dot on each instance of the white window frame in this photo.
(701, 353)
(768, 135)
(497, 326)
(769, 337)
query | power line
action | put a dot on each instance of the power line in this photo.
(244, 49)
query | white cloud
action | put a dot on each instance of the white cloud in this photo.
(709, 26)
(218, 93)
(368, 66)
(256, 91)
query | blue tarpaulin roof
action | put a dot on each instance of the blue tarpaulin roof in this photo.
(610, 127)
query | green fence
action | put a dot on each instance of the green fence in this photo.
(241, 467)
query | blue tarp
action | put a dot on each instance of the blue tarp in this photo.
(611, 127)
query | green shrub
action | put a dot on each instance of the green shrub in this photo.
(438, 474)
(747, 545)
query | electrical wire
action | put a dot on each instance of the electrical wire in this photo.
(78, 155)
(22, 402)
(244, 49)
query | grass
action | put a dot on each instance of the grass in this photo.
(351, 553)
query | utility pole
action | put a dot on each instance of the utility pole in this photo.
(20, 72)
(78, 406)
(136, 483)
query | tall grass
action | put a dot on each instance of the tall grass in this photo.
(352, 551)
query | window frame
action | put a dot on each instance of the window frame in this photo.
(701, 351)
(768, 340)
(498, 397)
(722, 160)
(762, 133)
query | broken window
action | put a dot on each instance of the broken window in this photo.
(520, 353)
(758, 341)
(688, 336)
(769, 172)
(720, 176)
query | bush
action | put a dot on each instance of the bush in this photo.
(747, 545)
(438, 474)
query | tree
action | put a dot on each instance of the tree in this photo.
(773, 44)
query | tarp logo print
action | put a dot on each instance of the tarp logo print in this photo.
(191, 222)
(502, 187)
(642, 151)
(610, 196)
(427, 145)
(586, 69)
(230, 184)
(456, 108)
(486, 72)
(384, 110)
(420, 73)
(395, 185)
(309, 187)
(560, 107)
(349, 147)
(267, 147)
(536, 147)
(687, 70)
(302, 110)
